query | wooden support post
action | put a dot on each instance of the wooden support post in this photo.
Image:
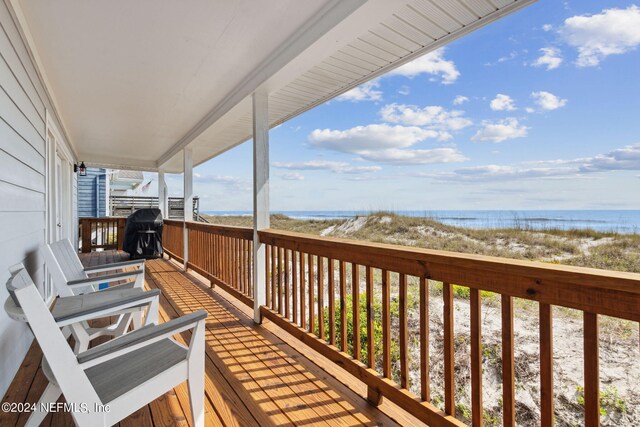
(188, 201)
(86, 236)
(260, 197)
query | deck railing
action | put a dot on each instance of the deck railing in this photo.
(101, 233)
(335, 294)
(222, 254)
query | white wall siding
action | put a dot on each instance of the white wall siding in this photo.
(23, 102)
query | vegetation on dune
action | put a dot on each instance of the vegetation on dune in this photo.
(584, 247)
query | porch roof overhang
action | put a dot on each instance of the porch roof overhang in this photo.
(134, 83)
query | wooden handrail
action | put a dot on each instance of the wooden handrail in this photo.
(612, 293)
(307, 275)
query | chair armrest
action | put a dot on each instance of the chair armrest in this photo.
(114, 266)
(70, 310)
(103, 279)
(142, 337)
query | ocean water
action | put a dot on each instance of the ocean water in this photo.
(621, 221)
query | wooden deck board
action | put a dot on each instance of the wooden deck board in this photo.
(253, 378)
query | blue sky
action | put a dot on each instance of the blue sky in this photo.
(539, 110)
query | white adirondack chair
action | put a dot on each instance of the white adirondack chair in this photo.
(125, 373)
(71, 278)
(74, 312)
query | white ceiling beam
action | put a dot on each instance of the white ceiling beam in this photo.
(331, 14)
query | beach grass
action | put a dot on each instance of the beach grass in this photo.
(579, 247)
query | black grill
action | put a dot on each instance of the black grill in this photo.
(143, 234)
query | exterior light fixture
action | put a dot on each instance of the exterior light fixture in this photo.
(83, 169)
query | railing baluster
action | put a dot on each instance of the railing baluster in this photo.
(546, 365)
(386, 325)
(404, 338)
(225, 259)
(267, 254)
(591, 370)
(332, 303)
(425, 385)
(449, 397)
(274, 296)
(243, 265)
(279, 268)
(508, 372)
(476, 358)
(294, 284)
(286, 283)
(311, 295)
(235, 280)
(236, 264)
(343, 307)
(303, 316)
(355, 304)
(320, 298)
(371, 361)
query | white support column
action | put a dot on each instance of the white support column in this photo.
(260, 197)
(162, 194)
(188, 200)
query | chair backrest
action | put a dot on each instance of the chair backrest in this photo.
(64, 264)
(64, 365)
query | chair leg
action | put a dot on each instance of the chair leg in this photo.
(196, 397)
(152, 313)
(140, 279)
(137, 319)
(50, 395)
(81, 337)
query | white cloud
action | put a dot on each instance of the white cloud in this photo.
(365, 92)
(404, 90)
(396, 156)
(530, 110)
(499, 173)
(232, 182)
(551, 58)
(384, 143)
(626, 158)
(500, 131)
(547, 27)
(460, 99)
(502, 103)
(337, 167)
(432, 117)
(310, 165)
(432, 63)
(611, 32)
(548, 101)
(292, 176)
(370, 137)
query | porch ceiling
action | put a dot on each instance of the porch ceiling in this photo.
(137, 81)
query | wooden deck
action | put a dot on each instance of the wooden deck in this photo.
(254, 378)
